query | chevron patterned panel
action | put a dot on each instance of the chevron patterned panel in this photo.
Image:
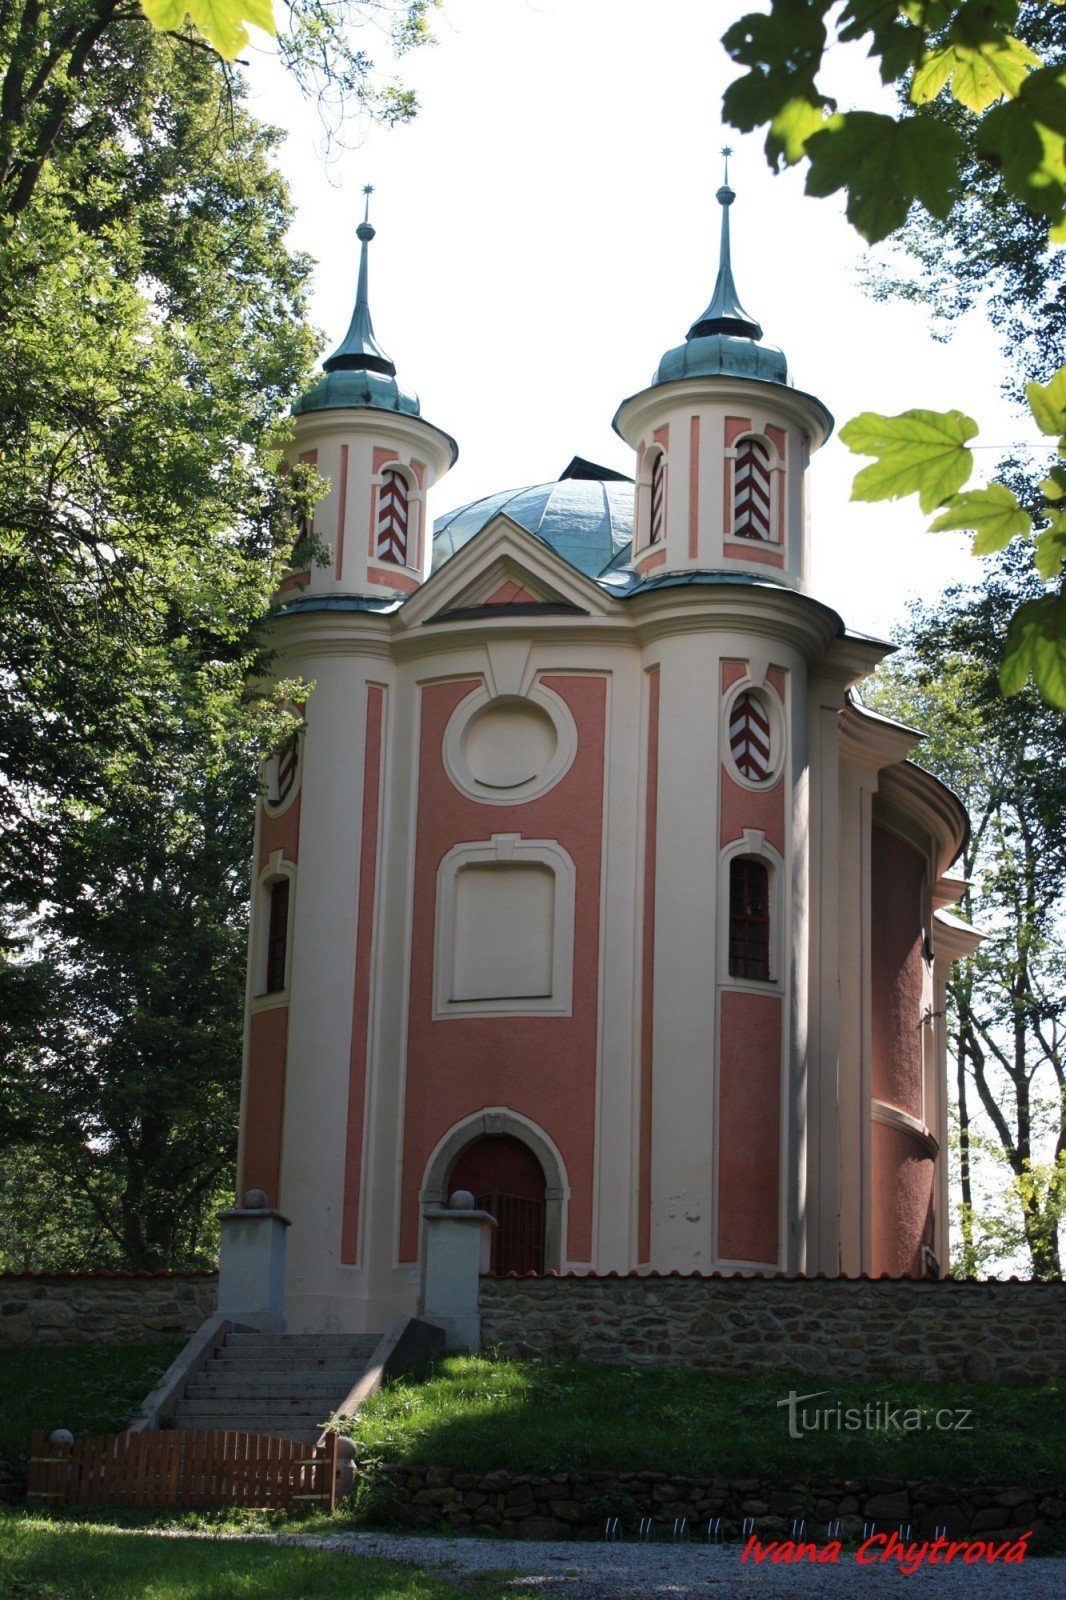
(749, 738)
(392, 519)
(658, 476)
(751, 491)
(287, 759)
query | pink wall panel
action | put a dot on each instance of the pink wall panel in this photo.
(265, 1111)
(749, 1125)
(902, 1201)
(896, 972)
(541, 1067)
(279, 833)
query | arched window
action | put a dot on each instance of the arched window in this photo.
(277, 936)
(749, 919)
(393, 509)
(751, 491)
(658, 495)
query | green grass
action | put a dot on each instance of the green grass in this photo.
(90, 1388)
(476, 1414)
(46, 1560)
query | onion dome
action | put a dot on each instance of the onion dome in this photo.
(359, 375)
(726, 339)
(586, 516)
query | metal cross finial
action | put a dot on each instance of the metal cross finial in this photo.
(727, 151)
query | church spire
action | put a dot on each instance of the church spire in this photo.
(725, 314)
(359, 350)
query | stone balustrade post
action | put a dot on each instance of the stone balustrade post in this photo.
(251, 1267)
(457, 1243)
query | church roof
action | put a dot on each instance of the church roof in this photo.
(586, 515)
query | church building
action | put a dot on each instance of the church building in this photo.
(588, 885)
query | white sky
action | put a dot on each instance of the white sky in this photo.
(547, 229)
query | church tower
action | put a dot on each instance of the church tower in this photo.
(723, 442)
(367, 436)
(321, 824)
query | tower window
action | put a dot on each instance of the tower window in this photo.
(749, 919)
(277, 936)
(658, 495)
(393, 509)
(750, 740)
(282, 771)
(751, 491)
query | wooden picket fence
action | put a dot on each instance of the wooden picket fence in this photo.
(183, 1467)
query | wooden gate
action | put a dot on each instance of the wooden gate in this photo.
(183, 1467)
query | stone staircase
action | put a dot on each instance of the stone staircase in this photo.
(284, 1384)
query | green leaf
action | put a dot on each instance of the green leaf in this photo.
(222, 22)
(1054, 487)
(986, 73)
(1047, 402)
(1036, 647)
(1030, 155)
(790, 129)
(919, 452)
(932, 75)
(1044, 94)
(885, 165)
(1050, 550)
(993, 513)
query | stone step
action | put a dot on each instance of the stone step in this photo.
(234, 1361)
(313, 1344)
(255, 1422)
(277, 1376)
(255, 1389)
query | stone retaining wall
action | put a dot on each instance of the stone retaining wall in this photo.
(103, 1307)
(816, 1326)
(576, 1506)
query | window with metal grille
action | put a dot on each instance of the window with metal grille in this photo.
(277, 936)
(393, 509)
(749, 919)
(658, 495)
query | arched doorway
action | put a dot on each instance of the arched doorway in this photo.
(505, 1178)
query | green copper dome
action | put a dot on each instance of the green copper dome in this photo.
(726, 339)
(354, 390)
(359, 375)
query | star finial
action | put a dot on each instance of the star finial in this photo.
(368, 190)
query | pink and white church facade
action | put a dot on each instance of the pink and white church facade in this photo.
(588, 885)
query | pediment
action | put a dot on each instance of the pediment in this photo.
(505, 570)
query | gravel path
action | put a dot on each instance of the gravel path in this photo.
(672, 1572)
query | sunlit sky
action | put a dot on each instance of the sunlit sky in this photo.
(547, 229)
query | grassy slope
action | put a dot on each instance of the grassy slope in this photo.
(554, 1416)
(86, 1388)
(42, 1560)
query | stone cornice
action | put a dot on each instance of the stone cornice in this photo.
(636, 414)
(871, 740)
(954, 939)
(907, 793)
(315, 427)
(893, 1117)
